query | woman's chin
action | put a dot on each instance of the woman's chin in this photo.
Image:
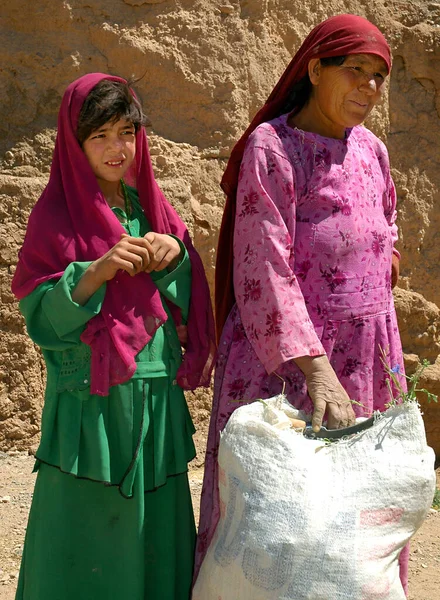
(357, 115)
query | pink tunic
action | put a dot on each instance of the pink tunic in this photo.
(313, 242)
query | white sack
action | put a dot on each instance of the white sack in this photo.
(304, 520)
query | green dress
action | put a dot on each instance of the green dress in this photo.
(111, 515)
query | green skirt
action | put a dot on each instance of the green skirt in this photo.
(84, 541)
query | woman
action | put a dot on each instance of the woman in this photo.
(306, 246)
(107, 280)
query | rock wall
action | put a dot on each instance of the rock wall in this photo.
(203, 69)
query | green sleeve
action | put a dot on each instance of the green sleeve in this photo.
(53, 320)
(175, 285)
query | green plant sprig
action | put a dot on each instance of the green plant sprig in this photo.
(411, 394)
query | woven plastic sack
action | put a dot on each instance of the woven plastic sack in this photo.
(304, 519)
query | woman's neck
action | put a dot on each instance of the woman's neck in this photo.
(311, 119)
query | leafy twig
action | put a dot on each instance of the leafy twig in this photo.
(403, 396)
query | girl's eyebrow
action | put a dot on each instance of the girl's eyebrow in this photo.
(100, 130)
(103, 129)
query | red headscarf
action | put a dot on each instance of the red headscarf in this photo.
(73, 222)
(338, 36)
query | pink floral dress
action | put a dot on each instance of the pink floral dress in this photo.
(313, 243)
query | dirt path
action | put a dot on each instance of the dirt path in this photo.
(17, 482)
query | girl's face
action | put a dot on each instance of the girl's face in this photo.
(345, 95)
(111, 150)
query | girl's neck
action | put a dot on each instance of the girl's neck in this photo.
(113, 193)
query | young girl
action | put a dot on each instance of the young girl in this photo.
(110, 287)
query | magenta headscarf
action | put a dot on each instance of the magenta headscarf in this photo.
(337, 36)
(72, 222)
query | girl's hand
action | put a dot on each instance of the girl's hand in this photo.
(130, 254)
(182, 334)
(165, 253)
(327, 393)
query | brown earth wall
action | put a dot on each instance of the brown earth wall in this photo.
(205, 68)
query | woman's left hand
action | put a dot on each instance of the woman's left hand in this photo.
(395, 267)
(167, 252)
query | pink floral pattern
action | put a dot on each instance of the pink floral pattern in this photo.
(313, 243)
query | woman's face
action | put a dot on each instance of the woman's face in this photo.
(111, 150)
(343, 96)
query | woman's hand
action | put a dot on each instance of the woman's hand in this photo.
(130, 254)
(326, 392)
(166, 251)
(395, 268)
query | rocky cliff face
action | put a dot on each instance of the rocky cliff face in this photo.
(204, 67)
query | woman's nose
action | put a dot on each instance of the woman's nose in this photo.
(369, 84)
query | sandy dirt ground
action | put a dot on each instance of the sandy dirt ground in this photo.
(16, 486)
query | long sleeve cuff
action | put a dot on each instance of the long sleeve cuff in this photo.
(65, 315)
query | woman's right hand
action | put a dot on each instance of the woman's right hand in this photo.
(130, 254)
(326, 393)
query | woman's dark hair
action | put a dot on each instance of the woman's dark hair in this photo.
(300, 92)
(108, 101)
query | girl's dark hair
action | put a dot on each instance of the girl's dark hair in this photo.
(300, 92)
(108, 101)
